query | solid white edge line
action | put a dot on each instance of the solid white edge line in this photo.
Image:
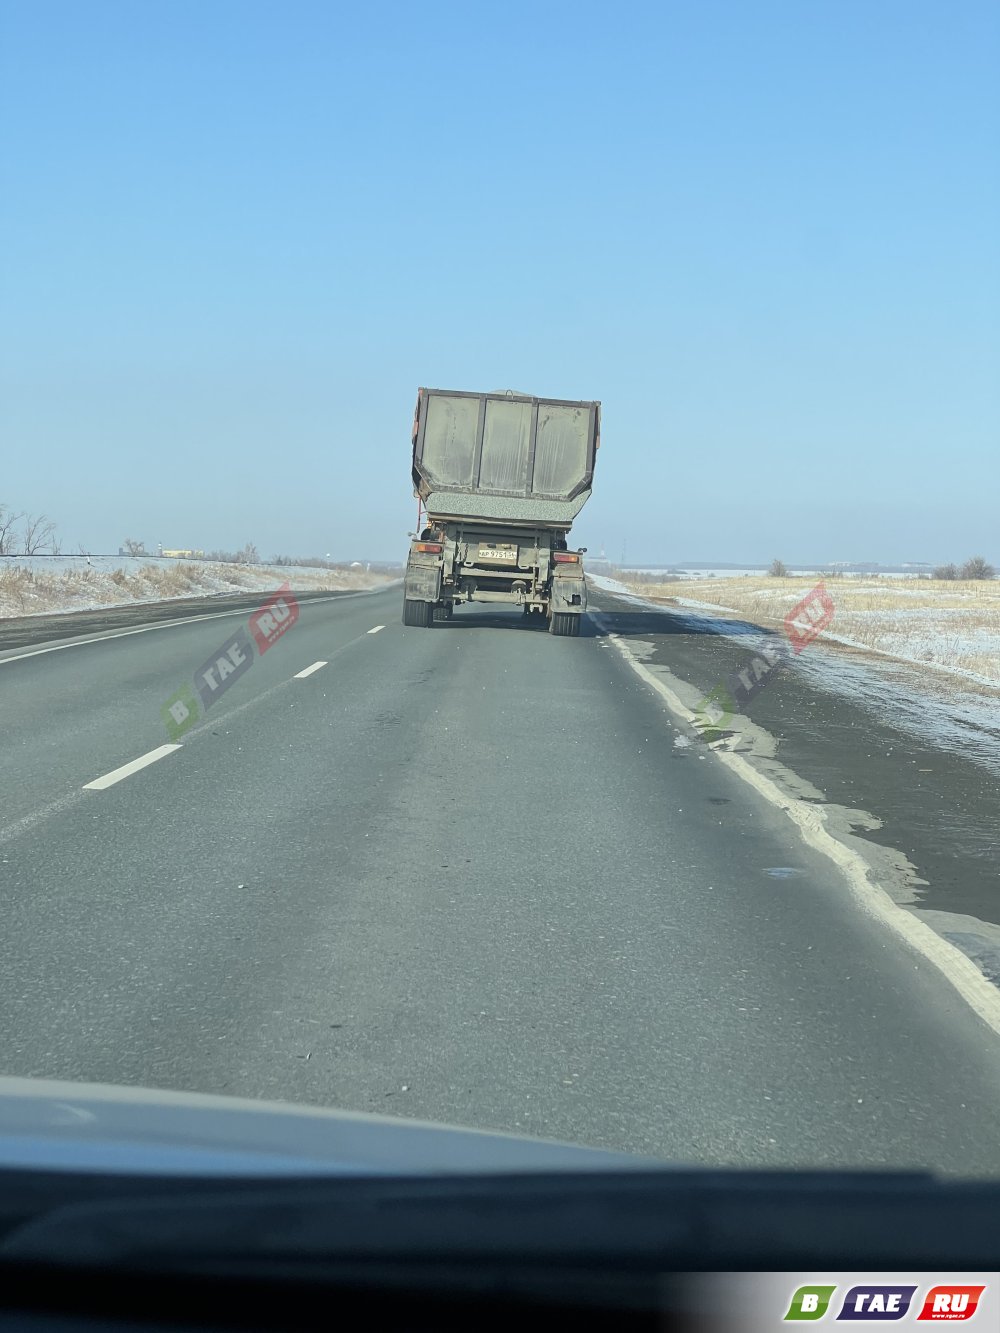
(186, 620)
(126, 770)
(376, 629)
(300, 675)
(981, 995)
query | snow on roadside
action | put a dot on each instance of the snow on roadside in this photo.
(956, 710)
(619, 589)
(83, 583)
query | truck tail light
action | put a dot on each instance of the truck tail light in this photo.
(565, 557)
(431, 548)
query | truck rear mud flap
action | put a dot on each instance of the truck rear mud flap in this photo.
(568, 595)
(422, 583)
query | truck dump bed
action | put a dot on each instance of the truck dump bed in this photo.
(504, 456)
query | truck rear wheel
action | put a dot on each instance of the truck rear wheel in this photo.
(442, 611)
(565, 623)
(416, 613)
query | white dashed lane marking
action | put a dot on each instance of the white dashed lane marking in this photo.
(161, 752)
(126, 770)
(300, 675)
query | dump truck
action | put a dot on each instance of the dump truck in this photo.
(500, 477)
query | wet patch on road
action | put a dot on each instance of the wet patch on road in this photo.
(908, 783)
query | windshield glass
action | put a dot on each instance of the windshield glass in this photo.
(300, 799)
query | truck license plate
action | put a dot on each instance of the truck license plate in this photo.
(506, 553)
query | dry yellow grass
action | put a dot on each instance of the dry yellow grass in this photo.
(25, 591)
(944, 623)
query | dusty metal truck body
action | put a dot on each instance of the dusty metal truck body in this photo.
(501, 477)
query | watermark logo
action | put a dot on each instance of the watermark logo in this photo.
(278, 614)
(181, 711)
(810, 1302)
(231, 659)
(876, 1303)
(224, 667)
(758, 672)
(806, 620)
(949, 1302)
(715, 711)
(809, 617)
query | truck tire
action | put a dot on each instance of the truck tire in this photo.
(416, 613)
(441, 611)
(565, 624)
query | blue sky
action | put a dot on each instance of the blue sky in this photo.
(236, 237)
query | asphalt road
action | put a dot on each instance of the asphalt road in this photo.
(462, 874)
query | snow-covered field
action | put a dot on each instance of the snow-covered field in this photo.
(795, 570)
(927, 656)
(946, 626)
(37, 586)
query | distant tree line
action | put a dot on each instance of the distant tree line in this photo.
(309, 561)
(28, 534)
(246, 555)
(976, 567)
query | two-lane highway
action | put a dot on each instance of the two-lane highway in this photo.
(463, 874)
